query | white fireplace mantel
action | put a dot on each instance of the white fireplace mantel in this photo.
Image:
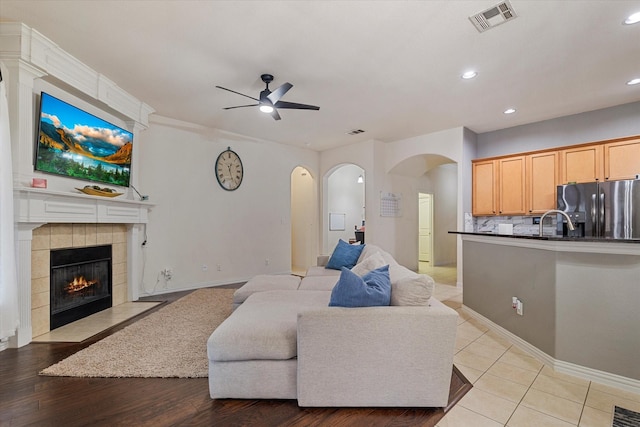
(34, 207)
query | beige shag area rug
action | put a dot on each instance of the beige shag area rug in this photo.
(172, 342)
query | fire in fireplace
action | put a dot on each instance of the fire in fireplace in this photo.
(80, 283)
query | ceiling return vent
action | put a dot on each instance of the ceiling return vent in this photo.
(496, 15)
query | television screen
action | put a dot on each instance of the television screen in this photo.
(74, 143)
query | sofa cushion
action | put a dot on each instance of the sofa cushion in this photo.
(373, 289)
(370, 263)
(264, 326)
(266, 282)
(316, 270)
(344, 255)
(412, 290)
(318, 283)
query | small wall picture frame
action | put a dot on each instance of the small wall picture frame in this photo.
(337, 221)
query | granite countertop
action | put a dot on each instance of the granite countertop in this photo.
(547, 237)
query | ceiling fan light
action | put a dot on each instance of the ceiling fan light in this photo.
(469, 75)
(632, 19)
(266, 108)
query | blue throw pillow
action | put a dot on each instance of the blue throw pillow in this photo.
(344, 255)
(372, 289)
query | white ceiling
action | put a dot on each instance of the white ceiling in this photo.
(391, 68)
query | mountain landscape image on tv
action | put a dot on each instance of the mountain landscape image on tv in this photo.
(74, 143)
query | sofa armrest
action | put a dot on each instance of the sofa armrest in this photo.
(376, 356)
(322, 260)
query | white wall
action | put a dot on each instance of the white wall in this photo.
(196, 223)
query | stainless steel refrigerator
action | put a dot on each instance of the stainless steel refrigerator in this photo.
(609, 209)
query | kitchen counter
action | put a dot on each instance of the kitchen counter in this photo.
(549, 237)
(580, 299)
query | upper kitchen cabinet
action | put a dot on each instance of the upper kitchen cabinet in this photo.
(484, 188)
(622, 159)
(581, 164)
(511, 186)
(542, 174)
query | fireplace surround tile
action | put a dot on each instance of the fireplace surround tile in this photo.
(61, 236)
(58, 236)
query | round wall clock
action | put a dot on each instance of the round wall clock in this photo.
(229, 171)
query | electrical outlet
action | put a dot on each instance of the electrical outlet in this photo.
(218, 267)
(167, 273)
(520, 308)
(204, 267)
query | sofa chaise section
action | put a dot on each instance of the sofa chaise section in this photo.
(252, 354)
(376, 356)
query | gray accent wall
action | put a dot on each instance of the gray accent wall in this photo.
(579, 307)
(493, 274)
(609, 123)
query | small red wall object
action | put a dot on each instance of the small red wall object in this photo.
(39, 183)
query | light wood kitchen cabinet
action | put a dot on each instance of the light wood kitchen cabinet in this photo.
(581, 164)
(484, 188)
(622, 159)
(542, 174)
(511, 186)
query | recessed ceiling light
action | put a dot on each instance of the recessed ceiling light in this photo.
(509, 111)
(469, 75)
(633, 82)
(632, 19)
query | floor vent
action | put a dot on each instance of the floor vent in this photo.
(494, 16)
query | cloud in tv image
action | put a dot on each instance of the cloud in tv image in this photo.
(74, 143)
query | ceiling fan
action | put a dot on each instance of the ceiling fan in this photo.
(269, 102)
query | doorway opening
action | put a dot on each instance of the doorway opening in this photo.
(303, 221)
(425, 230)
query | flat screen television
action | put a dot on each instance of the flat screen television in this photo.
(76, 144)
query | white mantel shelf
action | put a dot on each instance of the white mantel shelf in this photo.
(38, 205)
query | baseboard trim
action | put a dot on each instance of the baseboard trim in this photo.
(590, 374)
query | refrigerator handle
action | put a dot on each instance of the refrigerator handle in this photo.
(594, 215)
(601, 217)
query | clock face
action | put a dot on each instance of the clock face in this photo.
(229, 170)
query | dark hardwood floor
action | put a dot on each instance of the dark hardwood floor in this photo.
(27, 399)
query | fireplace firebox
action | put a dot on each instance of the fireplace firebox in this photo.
(80, 283)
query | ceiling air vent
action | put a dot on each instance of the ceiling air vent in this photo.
(355, 132)
(496, 15)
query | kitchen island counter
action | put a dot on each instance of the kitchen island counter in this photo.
(580, 297)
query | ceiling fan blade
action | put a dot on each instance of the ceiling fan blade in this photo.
(275, 114)
(279, 92)
(295, 106)
(240, 106)
(238, 93)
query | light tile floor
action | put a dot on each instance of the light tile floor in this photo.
(89, 326)
(510, 387)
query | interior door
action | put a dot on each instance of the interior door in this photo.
(425, 226)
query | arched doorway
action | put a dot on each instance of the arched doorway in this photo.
(344, 207)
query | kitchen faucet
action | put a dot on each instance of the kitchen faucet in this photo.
(569, 223)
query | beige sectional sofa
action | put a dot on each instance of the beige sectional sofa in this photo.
(289, 344)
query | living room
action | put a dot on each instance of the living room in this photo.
(208, 236)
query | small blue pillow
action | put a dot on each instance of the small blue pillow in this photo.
(372, 289)
(344, 255)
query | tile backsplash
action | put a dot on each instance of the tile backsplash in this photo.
(522, 225)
